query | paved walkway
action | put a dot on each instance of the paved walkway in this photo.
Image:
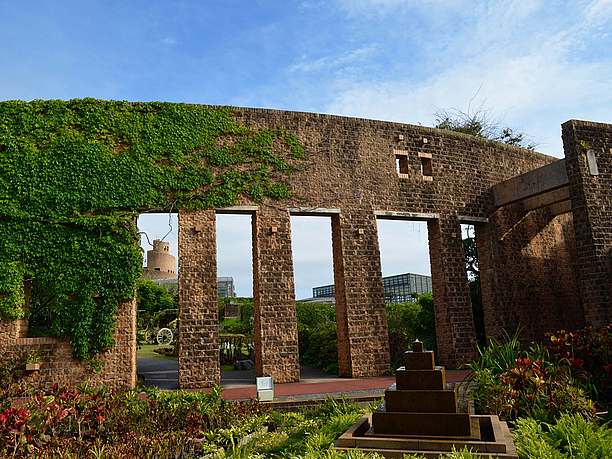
(329, 387)
(240, 385)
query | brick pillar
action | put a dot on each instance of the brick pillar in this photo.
(485, 240)
(363, 339)
(198, 305)
(275, 325)
(455, 334)
(591, 197)
(120, 361)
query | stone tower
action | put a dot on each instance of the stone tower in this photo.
(161, 264)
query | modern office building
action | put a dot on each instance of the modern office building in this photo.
(225, 287)
(398, 288)
(401, 287)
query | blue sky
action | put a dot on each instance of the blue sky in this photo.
(532, 64)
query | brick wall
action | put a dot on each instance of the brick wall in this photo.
(59, 367)
(528, 280)
(455, 334)
(350, 167)
(275, 327)
(198, 305)
(363, 346)
(591, 197)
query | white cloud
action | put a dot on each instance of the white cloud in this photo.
(598, 10)
(333, 62)
(169, 41)
(522, 77)
(382, 7)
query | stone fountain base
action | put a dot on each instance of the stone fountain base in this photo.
(495, 441)
(420, 416)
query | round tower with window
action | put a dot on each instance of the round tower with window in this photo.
(161, 264)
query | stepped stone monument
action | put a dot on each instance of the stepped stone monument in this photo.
(420, 416)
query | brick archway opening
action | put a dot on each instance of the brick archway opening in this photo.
(157, 312)
(406, 275)
(234, 242)
(313, 266)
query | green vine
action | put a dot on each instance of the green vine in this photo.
(74, 176)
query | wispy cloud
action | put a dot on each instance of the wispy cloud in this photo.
(169, 41)
(333, 62)
(533, 81)
(385, 7)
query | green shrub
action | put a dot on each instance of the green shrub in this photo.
(498, 356)
(512, 382)
(586, 353)
(129, 424)
(408, 321)
(571, 436)
(152, 297)
(317, 336)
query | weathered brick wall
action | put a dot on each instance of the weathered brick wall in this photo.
(275, 326)
(198, 304)
(351, 167)
(591, 197)
(58, 366)
(363, 346)
(455, 333)
(528, 280)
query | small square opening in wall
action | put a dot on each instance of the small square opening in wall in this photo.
(426, 165)
(401, 164)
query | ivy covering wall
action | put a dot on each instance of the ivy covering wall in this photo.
(75, 174)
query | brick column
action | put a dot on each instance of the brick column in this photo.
(198, 305)
(455, 334)
(120, 361)
(591, 196)
(485, 244)
(275, 325)
(363, 340)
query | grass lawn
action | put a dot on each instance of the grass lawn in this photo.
(146, 351)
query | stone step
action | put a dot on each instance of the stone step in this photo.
(448, 425)
(419, 360)
(420, 379)
(420, 401)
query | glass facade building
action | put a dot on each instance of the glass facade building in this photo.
(398, 288)
(225, 287)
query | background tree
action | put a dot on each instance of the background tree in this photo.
(154, 298)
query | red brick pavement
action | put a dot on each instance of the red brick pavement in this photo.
(327, 386)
